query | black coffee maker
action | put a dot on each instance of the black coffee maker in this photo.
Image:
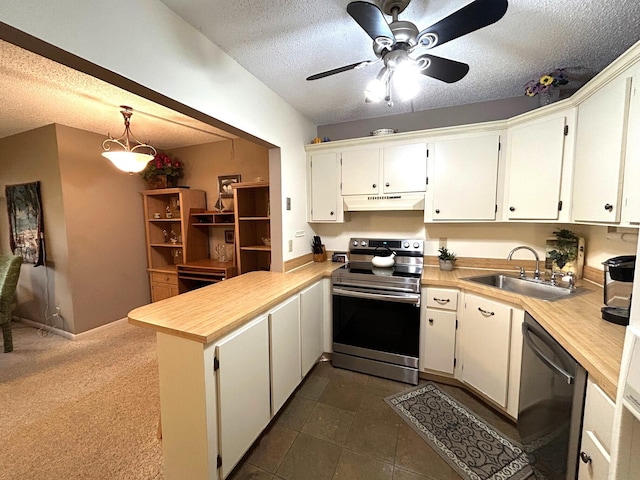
(618, 285)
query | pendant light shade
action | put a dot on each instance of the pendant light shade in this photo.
(128, 155)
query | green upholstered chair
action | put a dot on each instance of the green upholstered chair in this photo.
(9, 273)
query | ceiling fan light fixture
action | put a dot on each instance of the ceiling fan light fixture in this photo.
(130, 156)
(377, 88)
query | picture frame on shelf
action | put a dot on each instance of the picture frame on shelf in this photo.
(229, 236)
(224, 184)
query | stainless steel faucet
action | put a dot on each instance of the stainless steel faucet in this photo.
(536, 274)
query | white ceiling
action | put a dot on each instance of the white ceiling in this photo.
(282, 42)
(35, 92)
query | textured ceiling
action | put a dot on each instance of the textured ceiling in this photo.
(35, 91)
(282, 42)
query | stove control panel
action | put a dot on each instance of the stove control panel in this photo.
(397, 246)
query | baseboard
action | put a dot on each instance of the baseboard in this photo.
(69, 335)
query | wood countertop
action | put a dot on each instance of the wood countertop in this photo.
(209, 313)
(574, 322)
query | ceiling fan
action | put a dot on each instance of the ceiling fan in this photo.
(396, 43)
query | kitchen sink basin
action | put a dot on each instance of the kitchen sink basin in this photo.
(526, 286)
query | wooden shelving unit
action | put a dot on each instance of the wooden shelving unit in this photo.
(252, 225)
(170, 241)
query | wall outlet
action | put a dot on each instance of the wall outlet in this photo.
(290, 245)
(288, 203)
(442, 242)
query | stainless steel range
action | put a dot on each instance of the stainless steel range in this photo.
(376, 310)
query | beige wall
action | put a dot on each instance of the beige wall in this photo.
(29, 157)
(105, 231)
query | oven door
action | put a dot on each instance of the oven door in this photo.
(382, 326)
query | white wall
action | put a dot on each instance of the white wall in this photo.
(146, 42)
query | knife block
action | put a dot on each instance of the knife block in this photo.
(320, 257)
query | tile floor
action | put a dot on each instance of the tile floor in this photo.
(337, 426)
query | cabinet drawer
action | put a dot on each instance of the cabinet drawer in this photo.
(159, 277)
(598, 415)
(598, 466)
(443, 298)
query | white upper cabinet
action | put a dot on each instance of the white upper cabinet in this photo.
(360, 172)
(600, 141)
(378, 171)
(324, 188)
(631, 195)
(535, 161)
(463, 178)
(404, 168)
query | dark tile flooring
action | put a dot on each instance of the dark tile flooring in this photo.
(337, 426)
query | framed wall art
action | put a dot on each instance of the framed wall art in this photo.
(229, 236)
(224, 184)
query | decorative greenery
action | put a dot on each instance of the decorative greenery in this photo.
(554, 79)
(566, 248)
(162, 165)
(444, 254)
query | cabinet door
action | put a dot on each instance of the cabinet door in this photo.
(598, 466)
(486, 333)
(465, 177)
(600, 135)
(360, 172)
(325, 205)
(439, 341)
(404, 168)
(243, 390)
(311, 317)
(631, 205)
(284, 329)
(535, 154)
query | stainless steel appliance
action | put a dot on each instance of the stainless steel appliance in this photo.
(552, 391)
(376, 310)
(618, 285)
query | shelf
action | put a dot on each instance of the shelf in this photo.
(256, 248)
(164, 220)
(164, 269)
(253, 218)
(167, 245)
(203, 224)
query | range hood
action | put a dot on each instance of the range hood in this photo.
(396, 201)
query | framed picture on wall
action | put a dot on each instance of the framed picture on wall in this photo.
(228, 236)
(224, 184)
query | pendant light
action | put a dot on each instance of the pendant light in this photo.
(131, 156)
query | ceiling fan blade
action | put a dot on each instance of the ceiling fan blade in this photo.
(339, 70)
(444, 69)
(470, 18)
(371, 19)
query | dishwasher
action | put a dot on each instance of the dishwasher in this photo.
(552, 393)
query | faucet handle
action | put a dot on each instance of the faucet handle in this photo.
(522, 272)
(558, 273)
(571, 279)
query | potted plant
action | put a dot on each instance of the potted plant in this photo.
(565, 251)
(446, 258)
(162, 172)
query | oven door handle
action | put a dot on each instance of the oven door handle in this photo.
(412, 298)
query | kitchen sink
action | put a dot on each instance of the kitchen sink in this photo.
(526, 286)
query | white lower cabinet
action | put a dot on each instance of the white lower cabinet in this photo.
(491, 349)
(243, 390)
(597, 431)
(438, 320)
(284, 343)
(311, 325)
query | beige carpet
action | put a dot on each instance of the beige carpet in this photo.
(84, 409)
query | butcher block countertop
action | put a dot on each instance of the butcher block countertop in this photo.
(209, 313)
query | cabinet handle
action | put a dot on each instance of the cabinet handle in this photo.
(485, 312)
(442, 301)
(431, 321)
(512, 209)
(331, 212)
(374, 185)
(437, 210)
(386, 184)
(608, 207)
(585, 458)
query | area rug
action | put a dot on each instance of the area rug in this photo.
(473, 449)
